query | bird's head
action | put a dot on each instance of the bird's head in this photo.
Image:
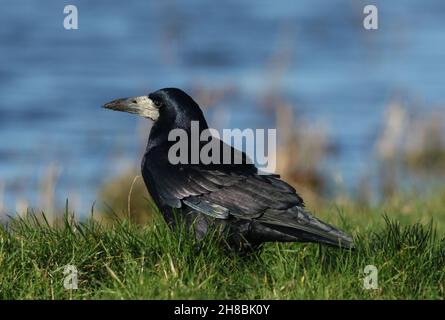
(170, 107)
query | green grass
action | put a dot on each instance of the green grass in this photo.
(128, 261)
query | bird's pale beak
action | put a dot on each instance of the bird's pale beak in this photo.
(142, 106)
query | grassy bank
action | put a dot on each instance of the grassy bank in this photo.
(149, 262)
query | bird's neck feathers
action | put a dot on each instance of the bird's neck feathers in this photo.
(193, 124)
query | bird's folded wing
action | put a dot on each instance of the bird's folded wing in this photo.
(243, 193)
(208, 208)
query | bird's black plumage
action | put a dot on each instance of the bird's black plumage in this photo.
(248, 208)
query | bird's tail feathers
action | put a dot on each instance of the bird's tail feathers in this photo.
(300, 226)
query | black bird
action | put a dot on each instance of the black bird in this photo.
(246, 207)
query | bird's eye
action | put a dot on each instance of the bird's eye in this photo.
(157, 103)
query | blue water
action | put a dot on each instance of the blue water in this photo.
(53, 81)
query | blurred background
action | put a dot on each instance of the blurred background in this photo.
(359, 113)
